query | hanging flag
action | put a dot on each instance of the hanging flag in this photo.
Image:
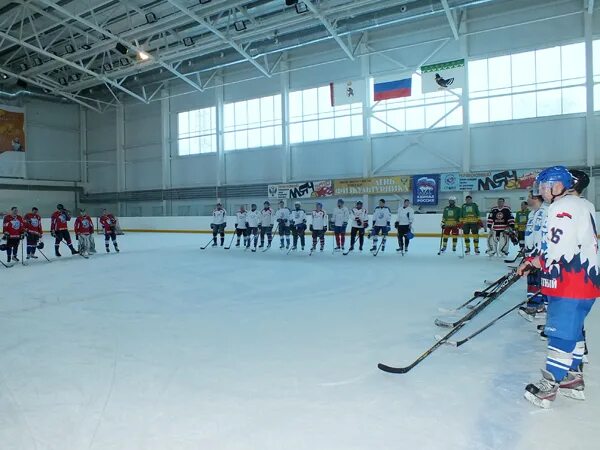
(385, 90)
(446, 75)
(347, 92)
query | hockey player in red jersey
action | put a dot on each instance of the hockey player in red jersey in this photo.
(109, 224)
(84, 228)
(33, 228)
(571, 281)
(59, 229)
(500, 223)
(13, 229)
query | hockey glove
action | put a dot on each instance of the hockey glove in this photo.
(311, 228)
(396, 225)
(53, 234)
(247, 225)
(345, 225)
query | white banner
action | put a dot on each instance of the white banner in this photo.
(347, 92)
(446, 75)
(301, 190)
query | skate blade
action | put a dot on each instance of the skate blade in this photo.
(572, 393)
(527, 317)
(540, 403)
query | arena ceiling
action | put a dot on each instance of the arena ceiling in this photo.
(96, 52)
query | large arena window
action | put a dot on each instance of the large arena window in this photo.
(312, 118)
(537, 83)
(417, 112)
(596, 75)
(252, 123)
(197, 132)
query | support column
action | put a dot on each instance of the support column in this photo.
(219, 101)
(286, 169)
(83, 146)
(165, 118)
(589, 118)
(121, 182)
(367, 142)
(464, 50)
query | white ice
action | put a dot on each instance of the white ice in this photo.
(167, 347)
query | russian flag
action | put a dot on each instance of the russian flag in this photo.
(392, 89)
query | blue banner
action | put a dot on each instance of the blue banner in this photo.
(425, 190)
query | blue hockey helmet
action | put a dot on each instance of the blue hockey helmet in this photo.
(319, 205)
(555, 174)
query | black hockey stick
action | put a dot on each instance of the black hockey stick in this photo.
(22, 254)
(520, 254)
(476, 295)
(230, 242)
(509, 281)
(42, 253)
(441, 242)
(214, 238)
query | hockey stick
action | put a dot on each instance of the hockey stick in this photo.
(273, 233)
(476, 295)
(520, 254)
(482, 329)
(22, 254)
(208, 243)
(231, 241)
(441, 242)
(42, 253)
(462, 244)
(509, 281)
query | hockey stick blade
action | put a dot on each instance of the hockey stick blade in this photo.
(447, 342)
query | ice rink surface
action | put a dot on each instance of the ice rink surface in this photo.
(167, 347)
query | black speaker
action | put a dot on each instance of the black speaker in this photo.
(121, 48)
(22, 84)
(290, 2)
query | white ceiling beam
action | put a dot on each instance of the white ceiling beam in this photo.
(127, 44)
(66, 62)
(202, 21)
(330, 28)
(590, 6)
(450, 18)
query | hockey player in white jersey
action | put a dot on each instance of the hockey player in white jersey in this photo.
(339, 223)
(404, 221)
(318, 227)
(218, 224)
(382, 216)
(282, 217)
(241, 227)
(253, 218)
(266, 225)
(298, 225)
(360, 222)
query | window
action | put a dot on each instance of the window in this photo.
(417, 112)
(539, 83)
(197, 131)
(312, 118)
(596, 49)
(252, 123)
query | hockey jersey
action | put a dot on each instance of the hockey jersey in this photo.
(451, 216)
(298, 217)
(266, 217)
(84, 225)
(253, 218)
(470, 213)
(108, 222)
(360, 218)
(533, 231)
(33, 223)
(570, 250)
(405, 215)
(500, 219)
(382, 216)
(59, 220)
(282, 216)
(241, 220)
(340, 216)
(13, 226)
(219, 216)
(319, 220)
(521, 218)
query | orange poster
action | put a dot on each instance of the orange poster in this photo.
(12, 129)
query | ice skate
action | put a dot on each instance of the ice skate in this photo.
(543, 392)
(572, 386)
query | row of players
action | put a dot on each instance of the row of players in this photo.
(254, 225)
(16, 228)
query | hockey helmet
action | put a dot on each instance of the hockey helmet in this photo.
(548, 177)
(3, 247)
(60, 207)
(297, 204)
(40, 246)
(340, 201)
(35, 209)
(581, 180)
(359, 203)
(409, 235)
(452, 198)
(266, 203)
(319, 205)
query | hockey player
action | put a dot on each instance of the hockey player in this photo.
(33, 228)
(382, 216)
(241, 227)
(59, 229)
(339, 223)
(570, 279)
(500, 221)
(404, 221)
(450, 224)
(109, 225)
(298, 224)
(471, 224)
(219, 223)
(318, 227)
(521, 223)
(360, 222)
(536, 304)
(13, 229)
(253, 219)
(266, 225)
(282, 216)
(84, 228)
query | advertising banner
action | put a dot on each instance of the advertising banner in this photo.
(12, 129)
(308, 189)
(373, 186)
(426, 190)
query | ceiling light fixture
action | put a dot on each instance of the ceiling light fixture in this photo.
(69, 48)
(240, 25)
(62, 81)
(75, 77)
(3, 76)
(188, 41)
(204, 2)
(86, 47)
(37, 61)
(151, 17)
(301, 8)
(143, 56)
(124, 61)
(23, 67)
(107, 67)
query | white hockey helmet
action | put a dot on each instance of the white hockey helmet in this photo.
(452, 198)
